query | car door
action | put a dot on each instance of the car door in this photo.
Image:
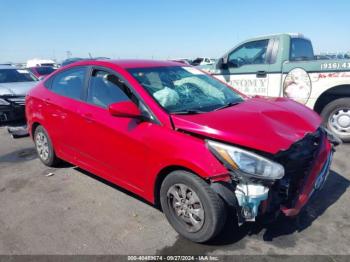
(111, 146)
(63, 97)
(248, 67)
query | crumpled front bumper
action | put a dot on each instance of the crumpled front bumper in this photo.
(307, 165)
(13, 112)
(315, 180)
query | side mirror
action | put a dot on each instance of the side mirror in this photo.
(124, 109)
(222, 63)
(41, 78)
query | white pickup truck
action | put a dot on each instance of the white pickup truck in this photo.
(284, 65)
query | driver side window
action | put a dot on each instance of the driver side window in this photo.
(251, 53)
(106, 88)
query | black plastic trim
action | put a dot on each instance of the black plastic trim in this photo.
(226, 191)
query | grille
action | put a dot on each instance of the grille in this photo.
(297, 161)
(17, 100)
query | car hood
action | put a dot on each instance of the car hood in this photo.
(16, 88)
(263, 124)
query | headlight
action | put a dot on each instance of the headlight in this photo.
(246, 162)
(297, 85)
(3, 102)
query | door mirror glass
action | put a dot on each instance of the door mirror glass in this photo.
(124, 109)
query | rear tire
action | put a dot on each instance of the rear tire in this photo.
(44, 147)
(199, 214)
(336, 117)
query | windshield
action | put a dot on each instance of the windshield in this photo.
(16, 75)
(185, 89)
(45, 70)
(197, 61)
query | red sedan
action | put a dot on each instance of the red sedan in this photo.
(182, 140)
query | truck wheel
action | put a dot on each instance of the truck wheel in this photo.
(336, 117)
(193, 209)
(44, 147)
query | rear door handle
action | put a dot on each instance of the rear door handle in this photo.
(261, 74)
(47, 100)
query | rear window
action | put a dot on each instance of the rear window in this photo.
(301, 50)
(16, 75)
(45, 70)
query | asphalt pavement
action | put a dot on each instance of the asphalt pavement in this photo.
(69, 211)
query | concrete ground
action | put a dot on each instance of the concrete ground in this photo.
(73, 212)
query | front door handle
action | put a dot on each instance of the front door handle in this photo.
(88, 117)
(261, 74)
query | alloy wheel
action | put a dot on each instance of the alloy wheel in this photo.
(42, 146)
(186, 206)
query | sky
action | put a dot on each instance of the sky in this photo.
(161, 29)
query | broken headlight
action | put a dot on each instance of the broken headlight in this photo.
(248, 163)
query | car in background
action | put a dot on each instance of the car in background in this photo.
(41, 62)
(41, 71)
(322, 57)
(6, 64)
(285, 65)
(14, 85)
(71, 60)
(182, 61)
(181, 139)
(201, 61)
(77, 59)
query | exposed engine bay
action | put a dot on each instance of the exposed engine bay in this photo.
(255, 197)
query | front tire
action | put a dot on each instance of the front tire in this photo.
(336, 117)
(192, 208)
(44, 147)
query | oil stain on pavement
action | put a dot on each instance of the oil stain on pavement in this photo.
(20, 155)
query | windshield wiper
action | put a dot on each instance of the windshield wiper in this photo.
(188, 112)
(226, 105)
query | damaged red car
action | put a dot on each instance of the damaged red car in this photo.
(182, 140)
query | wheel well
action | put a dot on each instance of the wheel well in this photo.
(34, 126)
(160, 178)
(331, 95)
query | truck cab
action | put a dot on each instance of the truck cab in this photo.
(284, 65)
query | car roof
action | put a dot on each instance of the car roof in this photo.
(292, 35)
(130, 63)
